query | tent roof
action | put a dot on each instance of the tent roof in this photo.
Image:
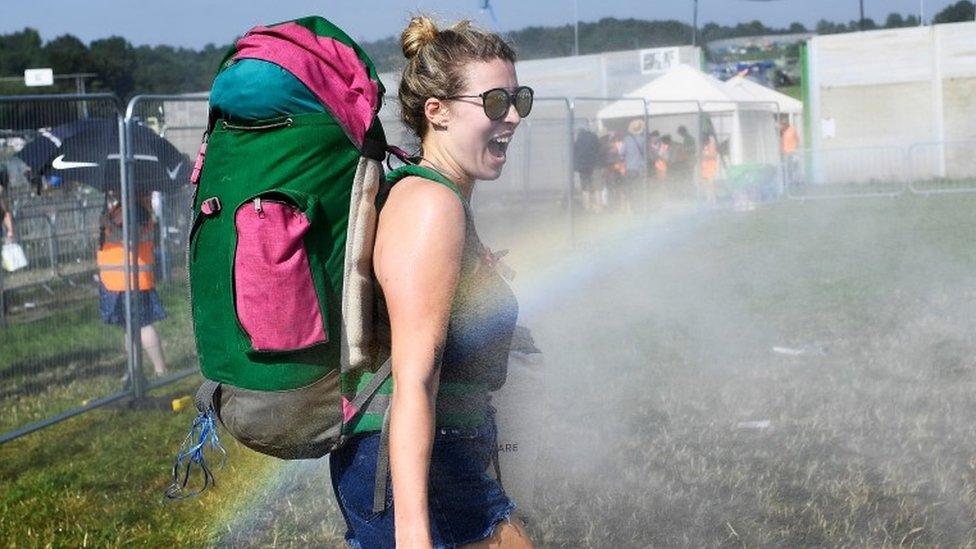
(678, 91)
(758, 92)
(682, 89)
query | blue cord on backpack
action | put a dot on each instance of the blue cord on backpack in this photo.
(193, 450)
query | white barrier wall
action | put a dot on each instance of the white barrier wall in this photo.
(610, 74)
(896, 88)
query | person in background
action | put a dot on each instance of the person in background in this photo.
(687, 143)
(653, 149)
(635, 164)
(613, 158)
(656, 191)
(10, 235)
(683, 158)
(663, 159)
(709, 167)
(112, 283)
(789, 145)
(586, 156)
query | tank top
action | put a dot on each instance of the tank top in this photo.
(483, 313)
(479, 332)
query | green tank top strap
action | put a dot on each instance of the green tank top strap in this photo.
(426, 173)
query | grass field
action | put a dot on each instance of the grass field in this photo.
(670, 418)
(67, 357)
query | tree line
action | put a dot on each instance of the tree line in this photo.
(125, 69)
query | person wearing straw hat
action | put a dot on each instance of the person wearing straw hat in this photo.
(635, 158)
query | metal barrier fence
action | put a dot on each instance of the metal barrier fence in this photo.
(178, 119)
(922, 168)
(58, 360)
(942, 168)
(57, 357)
(535, 183)
(846, 173)
(649, 152)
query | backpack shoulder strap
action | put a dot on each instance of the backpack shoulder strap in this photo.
(426, 173)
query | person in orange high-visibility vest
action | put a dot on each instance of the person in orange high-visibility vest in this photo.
(709, 167)
(112, 281)
(789, 144)
(663, 158)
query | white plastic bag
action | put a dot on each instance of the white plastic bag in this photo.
(519, 408)
(13, 257)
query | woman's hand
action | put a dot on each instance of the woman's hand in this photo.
(417, 262)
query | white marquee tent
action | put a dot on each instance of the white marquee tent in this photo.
(744, 87)
(683, 94)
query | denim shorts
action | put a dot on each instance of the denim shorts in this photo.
(111, 306)
(466, 501)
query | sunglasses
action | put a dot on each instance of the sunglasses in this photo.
(497, 101)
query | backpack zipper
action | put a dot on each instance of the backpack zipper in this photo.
(270, 126)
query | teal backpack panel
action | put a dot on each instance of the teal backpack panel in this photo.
(254, 89)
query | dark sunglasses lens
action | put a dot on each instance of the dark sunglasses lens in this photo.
(523, 101)
(496, 104)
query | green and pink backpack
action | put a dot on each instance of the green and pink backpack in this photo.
(288, 183)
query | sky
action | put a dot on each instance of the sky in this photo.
(194, 23)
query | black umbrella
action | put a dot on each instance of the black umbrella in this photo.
(87, 152)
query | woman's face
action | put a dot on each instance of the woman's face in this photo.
(476, 143)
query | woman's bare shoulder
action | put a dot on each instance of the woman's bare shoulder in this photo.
(419, 239)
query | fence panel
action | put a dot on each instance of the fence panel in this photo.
(635, 157)
(677, 132)
(180, 121)
(533, 186)
(56, 357)
(847, 173)
(942, 168)
(610, 174)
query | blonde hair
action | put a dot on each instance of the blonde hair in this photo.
(436, 60)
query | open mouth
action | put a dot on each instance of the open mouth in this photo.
(498, 145)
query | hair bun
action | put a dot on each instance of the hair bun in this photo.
(420, 32)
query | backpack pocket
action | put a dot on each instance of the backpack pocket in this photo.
(275, 299)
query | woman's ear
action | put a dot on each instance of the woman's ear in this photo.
(436, 112)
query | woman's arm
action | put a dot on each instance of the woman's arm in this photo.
(7, 217)
(417, 260)
(8, 224)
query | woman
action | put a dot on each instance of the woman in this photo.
(6, 217)
(709, 168)
(112, 283)
(450, 315)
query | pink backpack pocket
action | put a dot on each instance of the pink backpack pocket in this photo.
(274, 294)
